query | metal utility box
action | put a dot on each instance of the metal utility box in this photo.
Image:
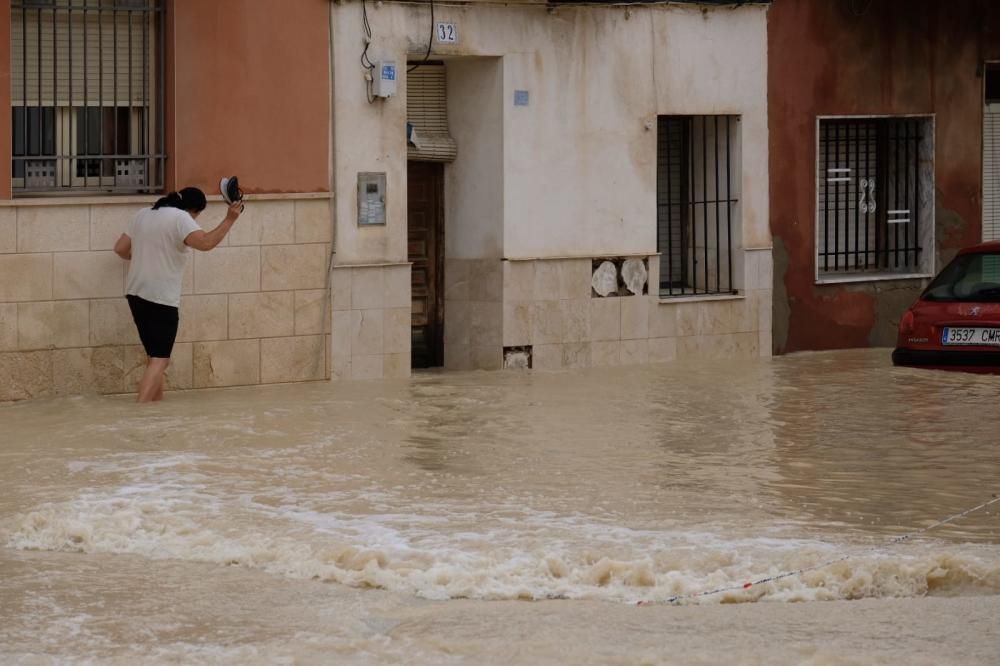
(371, 199)
(384, 81)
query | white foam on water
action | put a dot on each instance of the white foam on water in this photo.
(443, 551)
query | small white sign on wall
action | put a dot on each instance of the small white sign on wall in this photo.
(447, 33)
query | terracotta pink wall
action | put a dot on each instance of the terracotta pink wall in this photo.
(879, 57)
(248, 94)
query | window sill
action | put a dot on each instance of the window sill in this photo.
(699, 298)
(874, 277)
(569, 257)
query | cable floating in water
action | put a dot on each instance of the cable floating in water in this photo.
(799, 572)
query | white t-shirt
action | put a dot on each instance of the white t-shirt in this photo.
(159, 255)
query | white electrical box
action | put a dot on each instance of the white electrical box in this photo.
(371, 199)
(384, 78)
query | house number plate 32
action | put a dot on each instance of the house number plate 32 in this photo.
(447, 33)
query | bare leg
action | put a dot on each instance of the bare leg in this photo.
(159, 392)
(152, 380)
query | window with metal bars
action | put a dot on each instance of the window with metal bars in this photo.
(697, 204)
(86, 96)
(874, 188)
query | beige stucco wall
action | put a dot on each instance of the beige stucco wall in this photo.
(579, 160)
(474, 182)
(251, 310)
(566, 179)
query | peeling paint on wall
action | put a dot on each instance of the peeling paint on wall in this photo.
(782, 306)
(902, 57)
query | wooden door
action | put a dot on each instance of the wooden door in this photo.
(425, 235)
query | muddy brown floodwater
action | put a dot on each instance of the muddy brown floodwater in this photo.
(513, 517)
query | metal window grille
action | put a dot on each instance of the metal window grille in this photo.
(87, 96)
(697, 197)
(870, 204)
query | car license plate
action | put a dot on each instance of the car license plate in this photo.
(970, 336)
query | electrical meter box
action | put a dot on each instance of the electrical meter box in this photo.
(384, 81)
(371, 199)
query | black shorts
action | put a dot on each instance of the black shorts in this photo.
(157, 324)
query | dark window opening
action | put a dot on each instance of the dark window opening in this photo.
(34, 140)
(871, 195)
(697, 214)
(992, 77)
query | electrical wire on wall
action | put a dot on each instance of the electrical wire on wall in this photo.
(366, 36)
(430, 42)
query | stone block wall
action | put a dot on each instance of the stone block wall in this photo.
(371, 321)
(473, 314)
(550, 306)
(251, 309)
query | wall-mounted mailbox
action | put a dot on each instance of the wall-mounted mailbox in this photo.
(371, 199)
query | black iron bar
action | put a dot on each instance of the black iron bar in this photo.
(729, 204)
(879, 158)
(864, 192)
(73, 166)
(687, 227)
(825, 180)
(853, 203)
(704, 196)
(160, 116)
(40, 113)
(86, 94)
(718, 215)
(670, 221)
(24, 91)
(894, 140)
(100, 93)
(128, 120)
(906, 193)
(114, 90)
(836, 201)
(55, 92)
(144, 146)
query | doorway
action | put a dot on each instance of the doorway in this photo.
(425, 243)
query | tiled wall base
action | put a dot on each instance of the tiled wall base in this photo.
(371, 322)
(473, 314)
(251, 309)
(549, 305)
(118, 368)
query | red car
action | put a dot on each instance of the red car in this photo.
(955, 324)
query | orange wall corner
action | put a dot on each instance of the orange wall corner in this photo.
(249, 94)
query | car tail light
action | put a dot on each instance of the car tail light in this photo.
(907, 324)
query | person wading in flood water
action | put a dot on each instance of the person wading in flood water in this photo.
(158, 241)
